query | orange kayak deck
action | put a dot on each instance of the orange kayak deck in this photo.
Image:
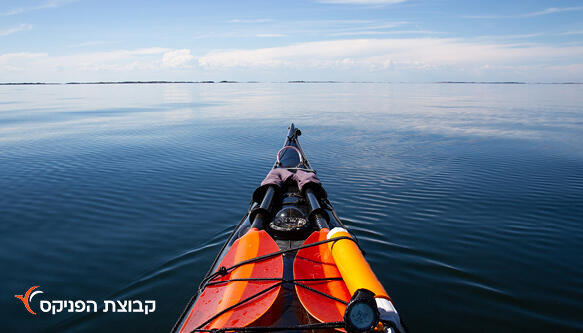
(221, 293)
(316, 263)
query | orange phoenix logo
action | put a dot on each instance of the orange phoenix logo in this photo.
(27, 297)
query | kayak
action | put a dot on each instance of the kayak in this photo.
(290, 264)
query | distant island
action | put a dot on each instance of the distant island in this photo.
(483, 82)
(302, 81)
(26, 83)
(140, 82)
(114, 82)
(293, 81)
(505, 82)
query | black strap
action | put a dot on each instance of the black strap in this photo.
(316, 326)
(225, 270)
(222, 271)
(273, 279)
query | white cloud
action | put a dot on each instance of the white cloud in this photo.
(90, 43)
(363, 2)
(349, 59)
(259, 20)
(552, 11)
(390, 32)
(8, 57)
(335, 22)
(332, 28)
(370, 27)
(270, 35)
(301, 28)
(44, 5)
(402, 54)
(10, 31)
(503, 37)
(119, 60)
(574, 32)
(177, 58)
(546, 11)
(516, 36)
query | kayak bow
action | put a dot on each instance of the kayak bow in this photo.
(290, 264)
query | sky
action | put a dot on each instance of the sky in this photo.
(282, 40)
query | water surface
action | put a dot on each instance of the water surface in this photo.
(467, 198)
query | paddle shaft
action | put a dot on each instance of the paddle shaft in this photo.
(261, 213)
(316, 212)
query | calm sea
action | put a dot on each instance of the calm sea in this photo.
(467, 197)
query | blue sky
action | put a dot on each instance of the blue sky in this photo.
(345, 40)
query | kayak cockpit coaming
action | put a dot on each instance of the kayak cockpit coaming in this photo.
(291, 156)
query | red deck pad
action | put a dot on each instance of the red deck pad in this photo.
(216, 298)
(316, 262)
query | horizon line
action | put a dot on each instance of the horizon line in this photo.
(289, 81)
